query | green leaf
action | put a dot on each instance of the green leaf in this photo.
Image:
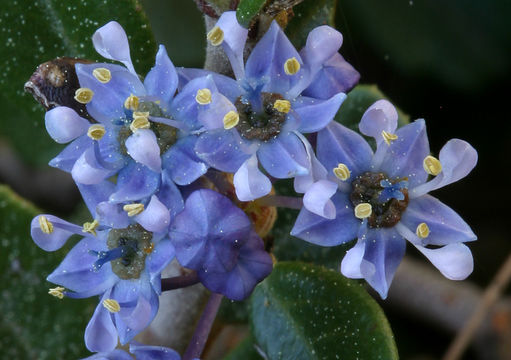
(34, 32)
(33, 324)
(307, 312)
(244, 351)
(308, 15)
(247, 9)
(357, 102)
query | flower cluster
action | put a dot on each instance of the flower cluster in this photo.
(153, 161)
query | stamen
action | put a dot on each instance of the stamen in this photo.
(231, 119)
(215, 36)
(203, 96)
(363, 210)
(45, 225)
(140, 121)
(111, 305)
(133, 209)
(131, 102)
(149, 249)
(90, 227)
(96, 132)
(83, 95)
(282, 105)
(432, 165)
(388, 137)
(58, 292)
(422, 230)
(103, 75)
(342, 172)
(291, 66)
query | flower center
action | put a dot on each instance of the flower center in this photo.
(263, 125)
(388, 198)
(127, 251)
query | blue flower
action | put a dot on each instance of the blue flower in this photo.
(265, 114)
(141, 352)
(215, 238)
(381, 198)
(122, 265)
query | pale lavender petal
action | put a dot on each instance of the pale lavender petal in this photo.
(322, 43)
(101, 334)
(96, 194)
(284, 157)
(350, 265)
(143, 147)
(250, 182)
(380, 116)
(458, 158)
(181, 163)
(135, 182)
(62, 231)
(146, 352)
(315, 114)
(155, 217)
(337, 144)
(111, 42)
(233, 44)
(162, 80)
(445, 225)
(454, 261)
(67, 157)
(226, 85)
(116, 354)
(212, 115)
(131, 320)
(64, 124)
(316, 170)
(88, 171)
(324, 232)
(317, 199)
(112, 215)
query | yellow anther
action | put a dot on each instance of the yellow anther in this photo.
(363, 210)
(140, 121)
(90, 227)
(231, 119)
(203, 96)
(149, 249)
(282, 105)
(422, 230)
(432, 165)
(45, 225)
(58, 292)
(83, 95)
(111, 305)
(215, 36)
(131, 102)
(388, 137)
(342, 172)
(133, 209)
(291, 66)
(103, 75)
(96, 132)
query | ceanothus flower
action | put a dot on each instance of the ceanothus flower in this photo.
(263, 112)
(122, 265)
(382, 198)
(216, 239)
(144, 131)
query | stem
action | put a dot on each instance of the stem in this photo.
(289, 202)
(203, 328)
(178, 282)
(490, 296)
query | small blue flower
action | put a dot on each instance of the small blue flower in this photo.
(381, 198)
(215, 238)
(266, 113)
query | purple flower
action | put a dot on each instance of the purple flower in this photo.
(122, 264)
(215, 238)
(261, 115)
(381, 198)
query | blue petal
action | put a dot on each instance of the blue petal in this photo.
(112, 215)
(250, 183)
(162, 80)
(67, 157)
(143, 147)
(170, 195)
(116, 354)
(64, 124)
(96, 194)
(101, 334)
(315, 114)
(135, 182)
(181, 163)
(380, 116)
(284, 157)
(111, 42)
(62, 231)
(87, 170)
(223, 150)
(253, 265)
(107, 102)
(234, 40)
(323, 42)
(338, 144)
(226, 85)
(317, 198)
(160, 257)
(76, 270)
(445, 225)
(155, 217)
(146, 352)
(325, 232)
(404, 156)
